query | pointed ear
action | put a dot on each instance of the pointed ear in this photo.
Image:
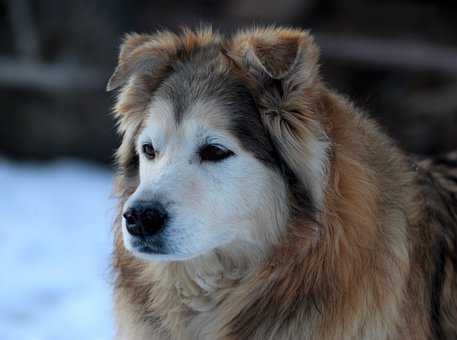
(141, 54)
(282, 68)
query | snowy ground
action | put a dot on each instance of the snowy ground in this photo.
(55, 244)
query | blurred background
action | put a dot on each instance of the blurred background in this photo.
(395, 59)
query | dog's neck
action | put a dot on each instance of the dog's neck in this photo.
(203, 282)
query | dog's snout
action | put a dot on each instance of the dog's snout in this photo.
(145, 219)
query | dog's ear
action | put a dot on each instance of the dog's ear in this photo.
(143, 54)
(287, 55)
(282, 68)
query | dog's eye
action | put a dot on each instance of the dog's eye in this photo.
(214, 153)
(149, 151)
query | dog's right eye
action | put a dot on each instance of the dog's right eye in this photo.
(149, 151)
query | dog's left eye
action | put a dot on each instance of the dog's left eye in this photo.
(214, 153)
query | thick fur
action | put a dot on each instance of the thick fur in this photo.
(366, 248)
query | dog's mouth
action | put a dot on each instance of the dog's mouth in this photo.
(152, 246)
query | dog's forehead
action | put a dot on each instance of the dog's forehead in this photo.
(200, 88)
(198, 119)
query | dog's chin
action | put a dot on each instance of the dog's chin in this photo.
(155, 250)
(159, 257)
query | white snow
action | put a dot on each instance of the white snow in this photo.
(55, 244)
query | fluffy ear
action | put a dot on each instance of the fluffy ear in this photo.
(143, 53)
(289, 55)
(282, 66)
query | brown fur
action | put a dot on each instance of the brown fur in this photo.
(374, 258)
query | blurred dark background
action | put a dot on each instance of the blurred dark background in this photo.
(395, 59)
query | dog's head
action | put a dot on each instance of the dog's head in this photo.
(219, 134)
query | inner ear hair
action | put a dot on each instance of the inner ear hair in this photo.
(276, 58)
(276, 54)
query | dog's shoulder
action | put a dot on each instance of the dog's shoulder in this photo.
(438, 178)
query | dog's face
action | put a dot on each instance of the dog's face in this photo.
(208, 175)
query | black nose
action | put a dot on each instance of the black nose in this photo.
(145, 219)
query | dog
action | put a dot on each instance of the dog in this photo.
(257, 203)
